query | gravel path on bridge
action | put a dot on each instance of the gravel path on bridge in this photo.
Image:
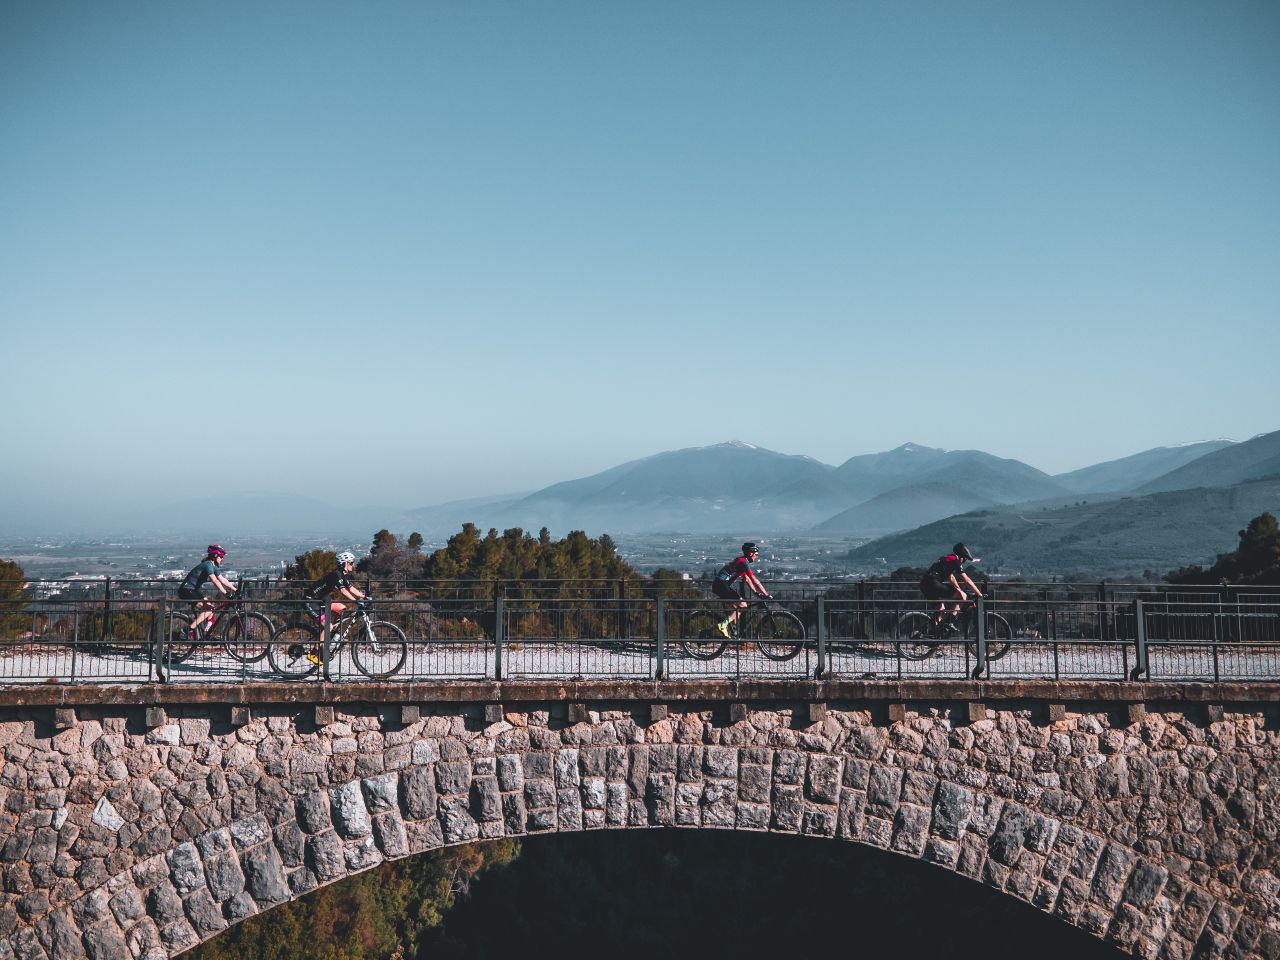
(636, 659)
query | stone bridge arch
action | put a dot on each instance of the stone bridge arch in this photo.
(120, 840)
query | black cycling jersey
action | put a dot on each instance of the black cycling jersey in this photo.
(942, 570)
(331, 582)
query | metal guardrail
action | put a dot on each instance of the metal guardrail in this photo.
(658, 631)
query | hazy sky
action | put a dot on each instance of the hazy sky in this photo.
(425, 251)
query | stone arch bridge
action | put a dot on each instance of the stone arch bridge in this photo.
(138, 822)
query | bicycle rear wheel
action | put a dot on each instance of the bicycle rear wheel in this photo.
(247, 636)
(287, 652)
(178, 645)
(700, 638)
(915, 636)
(378, 648)
(780, 635)
(999, 635)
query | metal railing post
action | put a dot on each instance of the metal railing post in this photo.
(660, 637)
(159, 648)
(499, 630)
(326, 635)
(821, 670)
(106, 609)
(864, 630)
(1140, 640)
(622, 603)
(75, 642)
(981, 632)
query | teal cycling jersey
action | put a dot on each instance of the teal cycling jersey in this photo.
(199, 575)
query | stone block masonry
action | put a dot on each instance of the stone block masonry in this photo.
(122, 837)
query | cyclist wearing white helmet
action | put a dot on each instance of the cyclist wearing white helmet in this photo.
(205, 570)
(336, 581)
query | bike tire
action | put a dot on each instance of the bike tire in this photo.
(288, 648)
(378, 648)
(999, 636)
(779, 635)
(699, 637)
(178, 646)
(915, 636)
(247, 637)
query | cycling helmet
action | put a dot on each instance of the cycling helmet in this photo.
(346, 556)
(216, 551)
(749, 547)
(961, 551)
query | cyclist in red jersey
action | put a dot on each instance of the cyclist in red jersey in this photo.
(723, 587)
(941, 582)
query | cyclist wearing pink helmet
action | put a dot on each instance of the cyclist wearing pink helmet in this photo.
(206, 569)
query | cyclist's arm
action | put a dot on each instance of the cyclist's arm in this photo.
(222, 583)
(351, 592)
(972, 586)
(956, 583)
(754, 583)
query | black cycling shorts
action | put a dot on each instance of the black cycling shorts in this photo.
(193, 596)
(724, 591)
(933, 590)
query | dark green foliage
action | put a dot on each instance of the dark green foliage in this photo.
(377, 915)
(1255, 561)
(11, 585)
(311, 565)
(516, 555)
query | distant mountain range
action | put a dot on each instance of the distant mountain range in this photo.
(735, 486)
(1114, 535)
(1130, 473)
(1255, 459)
(1170, 505)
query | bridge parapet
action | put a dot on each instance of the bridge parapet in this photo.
(146, 826)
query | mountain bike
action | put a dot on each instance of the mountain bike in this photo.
(244, 634)
(378, 647)
(919, 636)
(777, 633)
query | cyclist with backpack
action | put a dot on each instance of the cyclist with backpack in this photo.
(723, 587)
(941, 582)
(204, 571)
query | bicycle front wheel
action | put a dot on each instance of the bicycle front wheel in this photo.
(915, 633)
(780, 635)
(247, 637)
(378, 648)
(292, 649)
(999, 635)
(700, 636)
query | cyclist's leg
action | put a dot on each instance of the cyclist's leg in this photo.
(726, 593)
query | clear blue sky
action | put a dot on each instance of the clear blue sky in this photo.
(489, 246)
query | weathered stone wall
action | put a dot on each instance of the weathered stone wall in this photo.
(117, 840)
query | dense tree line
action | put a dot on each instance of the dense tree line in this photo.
(12, 582)
(1255, 561)
(511, 555)
(382, 914)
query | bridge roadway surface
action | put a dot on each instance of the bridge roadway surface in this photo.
(611, 659)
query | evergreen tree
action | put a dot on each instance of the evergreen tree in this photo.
(1255, 561)
(311, 565)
